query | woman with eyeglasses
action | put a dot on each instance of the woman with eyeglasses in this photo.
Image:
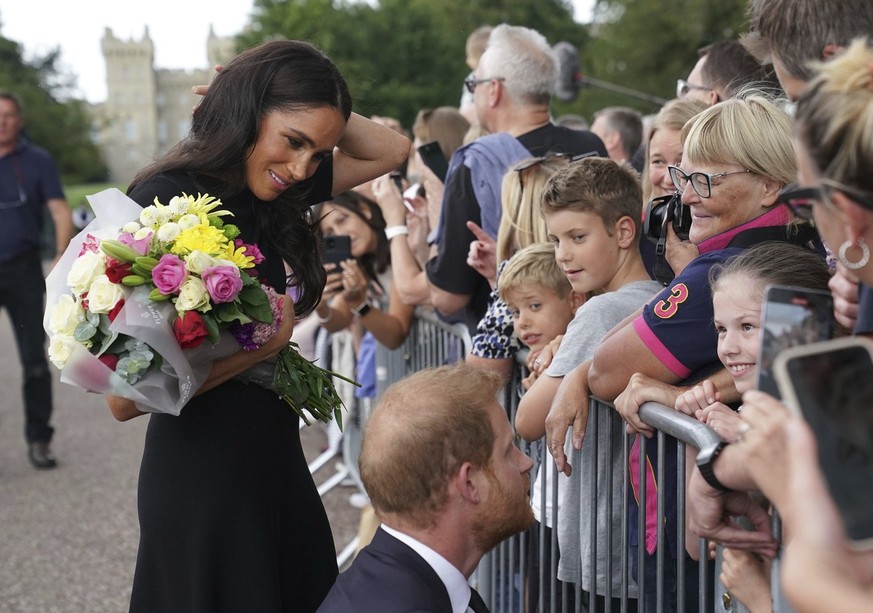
(736, 158)
(664, 149)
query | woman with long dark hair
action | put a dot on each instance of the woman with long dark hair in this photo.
(230, 518)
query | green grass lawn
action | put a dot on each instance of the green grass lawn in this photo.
(76, 193)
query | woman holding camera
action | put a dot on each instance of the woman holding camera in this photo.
(664, 149)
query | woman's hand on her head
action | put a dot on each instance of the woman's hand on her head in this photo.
(202, 90)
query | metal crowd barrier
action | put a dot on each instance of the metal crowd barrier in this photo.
(430, 342)
(503, 575)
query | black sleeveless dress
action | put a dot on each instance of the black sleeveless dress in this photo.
(230, 518)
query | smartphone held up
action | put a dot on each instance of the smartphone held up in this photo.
(830, 385)
(336, 249)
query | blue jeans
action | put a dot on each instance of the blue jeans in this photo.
(22, 294)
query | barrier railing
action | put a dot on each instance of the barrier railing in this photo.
(504, 577)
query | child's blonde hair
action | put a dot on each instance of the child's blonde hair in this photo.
(533, 264)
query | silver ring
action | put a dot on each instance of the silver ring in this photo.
(538, 362)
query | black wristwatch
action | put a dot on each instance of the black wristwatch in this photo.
(363, 308)
(706, 459)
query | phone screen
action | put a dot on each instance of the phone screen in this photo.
(834, 392)
(433, 157)
(791, 316)
(336, 249)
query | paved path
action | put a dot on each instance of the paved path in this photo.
(68, 536)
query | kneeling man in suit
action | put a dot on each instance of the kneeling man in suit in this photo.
(448, 484)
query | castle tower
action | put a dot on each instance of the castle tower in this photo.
(130, 115)
(147, 109)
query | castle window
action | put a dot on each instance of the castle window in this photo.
(129, 130)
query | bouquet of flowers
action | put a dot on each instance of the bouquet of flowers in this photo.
(139, 290)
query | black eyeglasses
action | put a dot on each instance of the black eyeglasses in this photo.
(701, 182)
(851, 192)
(800, 200)
(470, 83)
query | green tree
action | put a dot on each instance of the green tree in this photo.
(404, 55)
(648, 44)
(60, 126)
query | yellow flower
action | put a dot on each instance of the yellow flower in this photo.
(205, 238)
(238, 256)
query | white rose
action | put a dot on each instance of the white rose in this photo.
(149, 216)
(84, 270)
(193, 296)
(66, 315)
(186, 222)
(104, 295)
(60, 349)
(197, 262)
(178, 206)
(130, 227)
(168, 232)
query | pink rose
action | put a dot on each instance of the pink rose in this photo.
(169, 274)
(222, 282)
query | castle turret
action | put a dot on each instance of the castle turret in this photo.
(147, 109)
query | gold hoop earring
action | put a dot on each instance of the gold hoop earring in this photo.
(865, 255)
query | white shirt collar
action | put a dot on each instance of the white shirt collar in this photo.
(452, 578)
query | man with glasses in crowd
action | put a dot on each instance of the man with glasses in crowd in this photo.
(723, 69)
(29, 183)
(512, 88)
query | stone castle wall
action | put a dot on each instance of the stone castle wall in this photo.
(147, 109)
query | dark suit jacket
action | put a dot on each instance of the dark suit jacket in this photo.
(387, 576)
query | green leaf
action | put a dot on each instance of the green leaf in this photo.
(229, 312)
(211, 327)
(253, 295)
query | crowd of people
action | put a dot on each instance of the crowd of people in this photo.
(541, 237)
(675, 321)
